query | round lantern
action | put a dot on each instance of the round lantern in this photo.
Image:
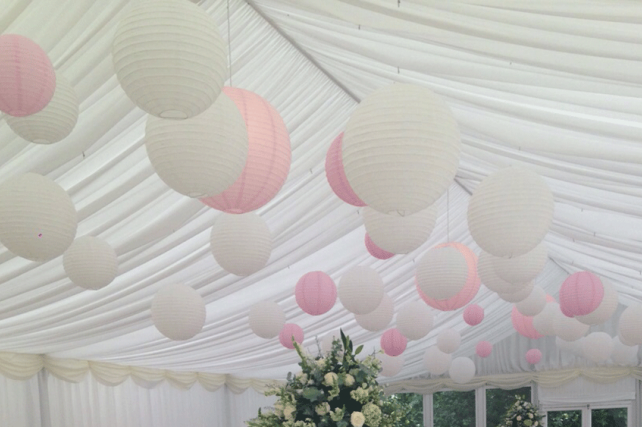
(375, 250)
(289, 331)
(473, 314)
(534, 303)
(597, 347)
(483, 349)
(605, 310)
(400, 234)
(448, 340)
(90, 262)
(462, 370)
(336, 176)
(413, 126)
(54, 122)
(436, 361)
(524, 325)
(414, 320)
(573, 347)
(442, 272)
(520, 295)
(543, 322)
(169, 58)
(379, 318)
(201, 156)
(315, 293)
(568, 328)
(393, 343)
(241, 244)
(390, 366)
(523, 268)
(629, 329)
(266, 319)
(510, 212)
(268, 159)
(38, 221)
(360, 290)
(623, 354)
(178, 312)
(580, 294)
(492, 281)
(27, 77)
(533, 356)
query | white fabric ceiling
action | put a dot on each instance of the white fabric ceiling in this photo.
(553, 86)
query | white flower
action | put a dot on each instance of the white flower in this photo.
(288, 412)
(530, 415)
(357, 419)
(323, 408)
(536, 423)
(330, 378)
(349, 380)
(321, 362)
(519, 418)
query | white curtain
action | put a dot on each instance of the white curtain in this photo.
(583, 391)
(19, 402)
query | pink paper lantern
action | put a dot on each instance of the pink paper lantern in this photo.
(336, 175)
(533, 356)
(290, 330)
(375, 250)
(483, 349)
(268, 159)
(469, 290)
(580, 294)
(393, 343)
(27, 77)
(315, 293)
(473, 314)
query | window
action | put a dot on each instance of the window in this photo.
(498, 401)
(413, 406)
(609, 417)
(454, 409)
(564, 418)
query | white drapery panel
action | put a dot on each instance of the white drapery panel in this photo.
(19, 402)
(581, 391)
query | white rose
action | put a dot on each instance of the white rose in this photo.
(320, 362)
(330, 378)
(530, 415)
(536, 423)
(288, 411)
(519, 418)
(349, 380)
(357, 419)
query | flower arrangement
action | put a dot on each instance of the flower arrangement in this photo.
(522, 414)
(332, 391)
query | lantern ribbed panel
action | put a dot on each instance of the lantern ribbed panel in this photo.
(336, 176)
(378, 319)
(266, 319)
(390, 366)
(268, 160)
(543, 322)
(27, 77)
(473, 315)
(534, 303)
(568, 328)
(533, 356)
(401, 149)
(361, 290)
(241, 244)
(289, 331)
(178, 312)
(442, 272)
(90, 262)
(38, 221)
(375, 250)
(518, 296)
(597, 347)
(462, 370)
(492, 281)
(483, 349)
(510, 212)
(629, 329)
(393, 343)
(605, 310)
(54, 122)
(524, 325)
(170, 58)
(523, 268)
(436, 361)
(581, 293)
(623, 354)
(315, 293)
(448, 341)
(400, 234)
(414, 320)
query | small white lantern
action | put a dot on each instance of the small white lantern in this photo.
(629, 329)
(597, 346)
(442, 272)
(605, 310)
(414, 320)
(448, 341)
(390, 366)
(523, 268)
(361, 290)
(436, 361)
(623, 354)
(178, 312)
(462, 370)
(568, 328)
(400, 234)
(543, 322)
(492, 281)
(520, 295)
(534, 303)
(241, 244)
(379, 318)
(573, 347)
(266, 319)
(90, 262)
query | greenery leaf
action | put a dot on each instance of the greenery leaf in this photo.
(358, 350)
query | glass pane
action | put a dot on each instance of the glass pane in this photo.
(498, 401)
(412, 406)
(564, 419)
(454, 409)
(611, 417)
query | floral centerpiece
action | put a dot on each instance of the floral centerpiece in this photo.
(522, 414)
(337, 390)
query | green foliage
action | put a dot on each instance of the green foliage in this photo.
(498, 401)
(522, 413)
(454, 409)
(409, 408)
(564, 419)
(611, 417)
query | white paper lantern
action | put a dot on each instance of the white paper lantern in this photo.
(448, 341)
(573, 347)
(629, 329)
(361, 290)
(266, 319)
(523, 268)
(605, 310)
(400, 234)
(90, 262)
(597, 346)
(623, 354)
(436, 361)
(534, 302)
(543, 322)
(170, 58)
(510, 212)
(178, 312)
(38, 221)
(442, 272)
(568, 328)
(241, 244)
(390, 366)
(520, 295)
(54, 122)
(379, 318)
(462, 370)
(491, 280)
(414, 320)
(401, 149)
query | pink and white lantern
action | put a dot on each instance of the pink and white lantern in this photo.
(473, 314)
(524, 325)
(336, 175)
(375, 250)
(533, 356)
(580, 294)
(315, 293)
(393, 343)
(289, 331)
(483, 349)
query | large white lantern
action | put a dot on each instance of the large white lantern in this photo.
(543, 322)
(414, 320)
(390, 366)
(624, 354)
(361, 290)
(629, 329)
(510, 212)
(573, 347)
(462, 370)
(442, 272)
(520, 295)
(178, 312)
(568, 328)
(379, 318)
(90, 262)
(400, 234)
(38, 221)
(170, 58)
(597, 346)
(448, 340)
(241, 244)
(266, 319)
(534, 303)
(436, 361)
(401, 149)
(492, 281)
(523, 268)
(605, 310)
(54, 122)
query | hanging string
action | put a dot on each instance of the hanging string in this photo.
(448, 215)
(229, 41)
